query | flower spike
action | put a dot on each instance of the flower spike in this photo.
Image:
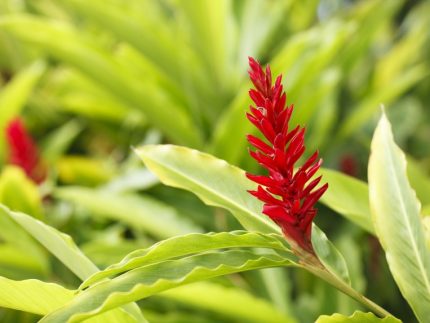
(23, 151)
(289, 195)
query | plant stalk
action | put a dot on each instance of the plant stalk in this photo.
(347, 289)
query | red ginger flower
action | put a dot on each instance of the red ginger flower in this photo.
(23, 151)
(288, 196)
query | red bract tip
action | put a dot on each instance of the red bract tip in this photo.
(289, 196)
(23, 151)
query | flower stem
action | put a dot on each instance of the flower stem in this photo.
(347, 289)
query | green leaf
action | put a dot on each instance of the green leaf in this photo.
(213, 32)
(157, 47)
(213, 180)
(364, 111)
(278, 288)
(357, 317)
(15, 94)
(396, 215)
(349, 197)
(131, 180)
(11, 234)
(16, 263)
(220, 184)
(190, 244)
(90, 60)
(58, 141)
(64, 248)
(33, 295)
(19, 193)
(87, 171)
(426, 224)
(59, 244)
(140, 212)
(419, 181)
(150, 279)
(232, 302)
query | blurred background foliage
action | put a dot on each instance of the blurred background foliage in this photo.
(93, 78)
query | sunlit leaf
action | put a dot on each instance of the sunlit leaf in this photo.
(191, 244)
(33, 295)
(148, 280)
(396, 215)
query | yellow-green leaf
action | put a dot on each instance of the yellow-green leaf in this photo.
(396, 216)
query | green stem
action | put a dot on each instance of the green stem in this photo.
(347, 289)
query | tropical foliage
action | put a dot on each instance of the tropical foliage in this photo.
(123, 154)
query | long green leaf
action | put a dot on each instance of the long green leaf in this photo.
(213, 180)
(140, 212)
(396, 215)
(367, 108)
(59, 244)
(220, 184)
(102, 67)
(13, 234)
(148, 280)
(16, 263)
(64, 248)
(157, 47)
(213, 32)
(19, 193)
(191, 244)
(33, 295)
(349, 197)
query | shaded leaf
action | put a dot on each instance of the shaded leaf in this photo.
(140, 212)
(227, 301)
(14, 96)
(349, 197)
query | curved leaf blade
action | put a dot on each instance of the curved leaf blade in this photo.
(33, 295)
(64, 248)
(148, 280)
(396, 216)
(217, 183)
(191, 244)
(38, 297)
(59, 244)
(213, 180)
